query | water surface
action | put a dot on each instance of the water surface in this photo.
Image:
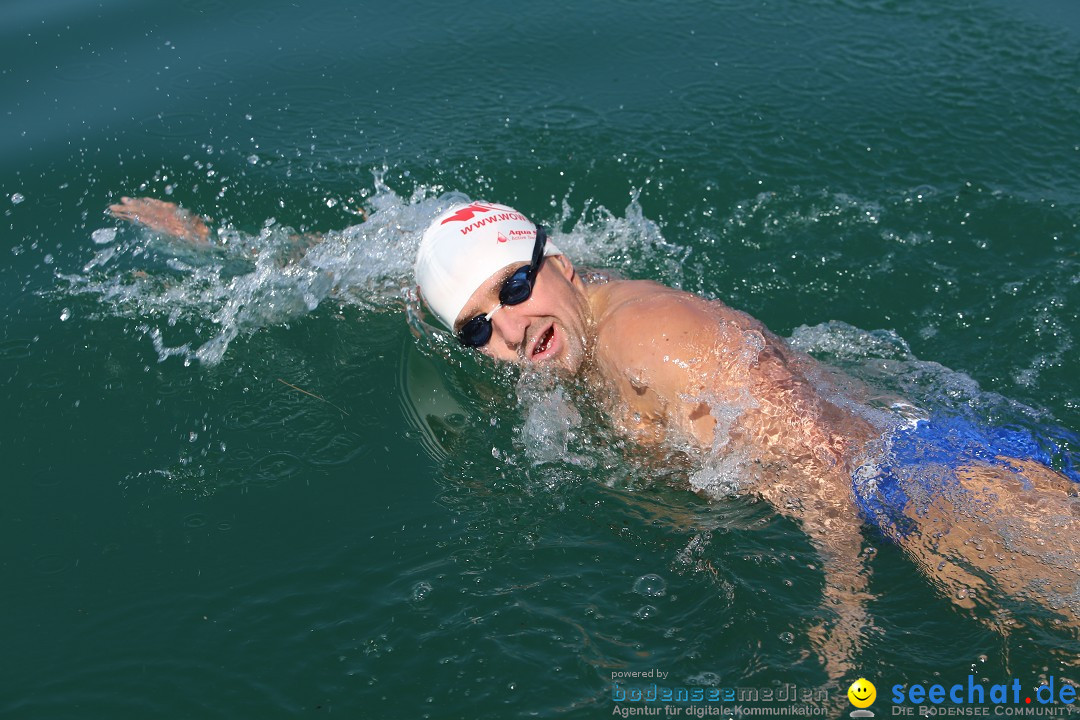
(187, 531)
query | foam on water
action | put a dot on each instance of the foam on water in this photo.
(632, 244)
(552, 422)
(191, 302)
(899, 387)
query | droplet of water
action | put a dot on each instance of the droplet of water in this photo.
(787, 638)
(103, 236)
(17, 198)
(650, 585)
(65, 314)
(253, 159)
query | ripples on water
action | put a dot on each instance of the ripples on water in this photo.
(562, 542)
(275, 545)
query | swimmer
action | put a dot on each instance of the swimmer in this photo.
(678, 370)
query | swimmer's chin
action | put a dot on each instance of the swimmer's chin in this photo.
(549, 350)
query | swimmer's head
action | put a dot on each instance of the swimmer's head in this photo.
(465, 246)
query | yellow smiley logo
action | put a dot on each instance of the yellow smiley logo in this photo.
(862, 693)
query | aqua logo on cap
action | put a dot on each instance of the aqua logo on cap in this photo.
(465, 246)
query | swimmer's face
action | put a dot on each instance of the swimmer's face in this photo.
(551, 327)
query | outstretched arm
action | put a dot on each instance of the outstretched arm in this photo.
(163, 217)
(846, 594)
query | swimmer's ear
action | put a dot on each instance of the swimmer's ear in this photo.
(563, 263)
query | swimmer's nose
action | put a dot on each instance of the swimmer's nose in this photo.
(509, 325)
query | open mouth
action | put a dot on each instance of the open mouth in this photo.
(542, 344)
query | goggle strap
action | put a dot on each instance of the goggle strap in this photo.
(538, 249)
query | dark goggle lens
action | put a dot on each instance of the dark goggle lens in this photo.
(476, 332)
(518, 287)
(516, 290)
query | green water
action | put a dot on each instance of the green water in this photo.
(184, 533)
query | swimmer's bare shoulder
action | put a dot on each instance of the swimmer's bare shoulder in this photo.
(657, 346)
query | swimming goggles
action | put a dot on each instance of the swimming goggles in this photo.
(515, 290)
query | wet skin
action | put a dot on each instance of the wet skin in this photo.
(164, 217)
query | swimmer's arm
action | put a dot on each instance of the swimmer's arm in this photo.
(839, 639)
(673, 358)
(162, 217)
(170, 219)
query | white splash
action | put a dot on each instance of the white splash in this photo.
(552, 422)
(103, 236)
(242, 282)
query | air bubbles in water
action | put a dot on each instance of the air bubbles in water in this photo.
(706, 679)
(645, 612)
(650, 585)
(17, 198)
(420, 591)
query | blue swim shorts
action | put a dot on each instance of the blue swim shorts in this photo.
(916, 463)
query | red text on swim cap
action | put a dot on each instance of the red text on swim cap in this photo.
(492, 219)
(466, 213)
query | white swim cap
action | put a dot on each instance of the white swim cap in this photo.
(464, 247)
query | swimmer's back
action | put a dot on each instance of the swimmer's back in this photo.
(674, 356)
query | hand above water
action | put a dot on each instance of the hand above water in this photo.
(163, 217)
